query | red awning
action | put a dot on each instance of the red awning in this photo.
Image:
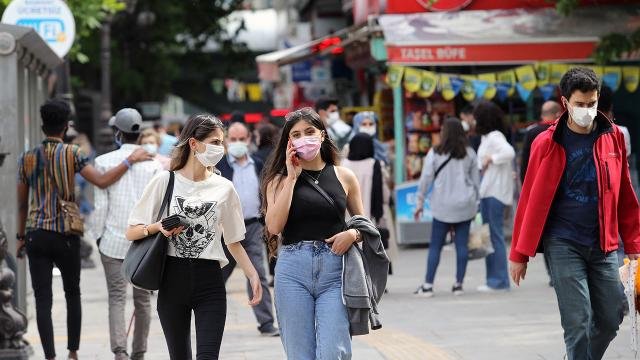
(501, 36)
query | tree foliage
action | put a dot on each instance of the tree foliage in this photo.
(612, 47)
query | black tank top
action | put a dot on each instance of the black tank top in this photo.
(311, 217)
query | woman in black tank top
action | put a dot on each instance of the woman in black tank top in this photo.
(313, 319)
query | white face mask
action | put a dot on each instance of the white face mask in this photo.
(150, 148)
(369, 130)
(211, 155)
(465, 126)
(584, 117)
(333, 117)
(238, 149)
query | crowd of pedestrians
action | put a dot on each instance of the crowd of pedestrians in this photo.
(319, 192)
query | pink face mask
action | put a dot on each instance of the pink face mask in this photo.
(307, 147)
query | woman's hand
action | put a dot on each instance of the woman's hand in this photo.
(417, 213)
(256, 290)
(341, 242)
(293, 163)
(169, 233)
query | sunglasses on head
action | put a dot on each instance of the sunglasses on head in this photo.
(304, 112)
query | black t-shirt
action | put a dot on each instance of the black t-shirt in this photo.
(574, 214)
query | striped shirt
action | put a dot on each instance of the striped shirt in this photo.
(64, 161)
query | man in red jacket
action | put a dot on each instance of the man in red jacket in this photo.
(578, 182)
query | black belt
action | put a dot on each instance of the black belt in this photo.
(250, 221)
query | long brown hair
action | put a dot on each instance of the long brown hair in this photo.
(453, 140)
(199, 127)
(277, 162)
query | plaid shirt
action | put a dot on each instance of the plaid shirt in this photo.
(113, 204)
(64, 161)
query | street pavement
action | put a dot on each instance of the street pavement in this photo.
(520, 324)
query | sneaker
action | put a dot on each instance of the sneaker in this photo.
(269, 331)
(487, 289)
(424, 291)
(457, 290)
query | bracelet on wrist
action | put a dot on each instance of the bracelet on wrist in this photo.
(127, 163)
(20, 237)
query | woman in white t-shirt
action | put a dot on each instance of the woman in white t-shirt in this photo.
(495, 159)
(193, 278)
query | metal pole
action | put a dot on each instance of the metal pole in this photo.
(105, 84)
(398, 131)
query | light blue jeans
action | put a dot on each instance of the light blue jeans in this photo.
(497, 269)
(308, 296)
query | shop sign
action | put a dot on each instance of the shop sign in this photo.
(301, 71)
(490, 53)
(51, 19)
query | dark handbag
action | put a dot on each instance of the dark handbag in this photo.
(143, 266)
(69, 210)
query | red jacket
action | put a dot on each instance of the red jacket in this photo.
(618, 205)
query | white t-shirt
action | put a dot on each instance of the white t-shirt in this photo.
(498, 179)
(212, 207)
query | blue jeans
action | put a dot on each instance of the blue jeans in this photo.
(587, 285)
(308, 296)
(439, 231)
(497, 272)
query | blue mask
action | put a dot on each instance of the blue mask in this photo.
(116, 139)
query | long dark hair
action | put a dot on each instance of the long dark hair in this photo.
(277, 162)
(453, 140)
(199, 127)
(489, 117)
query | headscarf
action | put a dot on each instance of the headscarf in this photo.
(361, 147)
(380, 149)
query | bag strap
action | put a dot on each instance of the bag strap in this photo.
(441, 167)
(167, 196)
(326, 196)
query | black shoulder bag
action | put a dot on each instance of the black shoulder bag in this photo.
(324, 194)
(143, 265)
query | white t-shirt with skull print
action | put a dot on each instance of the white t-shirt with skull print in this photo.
(212, 208)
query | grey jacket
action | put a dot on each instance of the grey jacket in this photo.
(364, 277)
(454, 197)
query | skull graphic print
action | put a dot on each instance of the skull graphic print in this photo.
(201, 216)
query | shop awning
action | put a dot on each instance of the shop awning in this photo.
(269, 63)
(502, 36)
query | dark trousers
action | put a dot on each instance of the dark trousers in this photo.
(439, 232)
(44, 249)
(254, 246)
(192, 285)
(587, 286)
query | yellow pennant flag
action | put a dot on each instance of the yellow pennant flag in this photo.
(599, 70)
(428, 85)
(527, 77)
(255, 92)
(394, 75)
(543, 70)
(612, 76)
(508, 77)
(630, 77)
(490, 93)
(412, 79)
(446, 88)
(557, 71)
(468, 91)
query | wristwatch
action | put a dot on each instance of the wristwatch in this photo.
(20, 237)
(145, 230)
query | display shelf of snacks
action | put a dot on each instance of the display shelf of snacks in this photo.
(422, 128)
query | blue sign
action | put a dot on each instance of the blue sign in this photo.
(406, 198)
(301, 71)
(49, 29)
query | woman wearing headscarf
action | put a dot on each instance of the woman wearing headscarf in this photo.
(367, 122)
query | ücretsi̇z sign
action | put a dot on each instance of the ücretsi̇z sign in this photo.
(51, 19)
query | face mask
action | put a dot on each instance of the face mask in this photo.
(150, 148)
(369, 130)
(307, 147)
(465, 126)
(238, 149)
(333, 117)
(116, 139)
(584, 117)
(211, 155)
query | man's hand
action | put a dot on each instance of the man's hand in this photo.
(140, 155)
(20, 249)
(517, 271)
(633, 256)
